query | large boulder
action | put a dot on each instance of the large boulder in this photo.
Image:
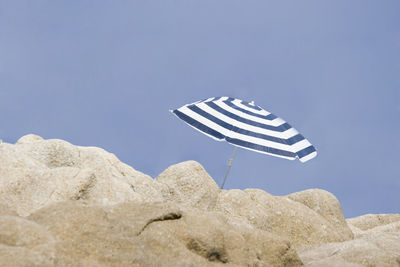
(36, 172)
(325, 204)
(188, 184)
(158, 235)
(282, 216)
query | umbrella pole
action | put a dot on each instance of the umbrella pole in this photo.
(229, 166)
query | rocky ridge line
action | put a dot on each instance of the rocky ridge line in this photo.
(62, 204)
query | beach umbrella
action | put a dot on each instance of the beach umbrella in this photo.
(246, 125)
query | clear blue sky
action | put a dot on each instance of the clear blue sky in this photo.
(105, 73)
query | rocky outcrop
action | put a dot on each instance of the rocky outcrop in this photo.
(328, 207)
(69, 205)
(374, 249)
(36, 172)
(370, 221)
(187, 183)
(156, 234)
(376, 243)
(299, 223)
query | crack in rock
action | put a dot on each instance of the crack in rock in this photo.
(84, 190)
(211, 253)
(164, 217)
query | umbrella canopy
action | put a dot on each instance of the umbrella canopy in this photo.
(246, 125)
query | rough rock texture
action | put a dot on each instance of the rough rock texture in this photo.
(189, 184)
(378, 249)
(25, 243)
(370, 221)
(156, 234)
(285, 217)
(36, 172)
(326, 205)
(377, 243)
(81, 206)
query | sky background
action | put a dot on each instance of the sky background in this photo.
(105, 73)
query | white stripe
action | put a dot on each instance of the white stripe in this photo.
(276, 122)
(237, 103)
(209, 99)
(284, 135)
(232, 134)
(213, 137)
(260, 141)
(300, 145)
(263, 152)
(308, 157)
(185, 110)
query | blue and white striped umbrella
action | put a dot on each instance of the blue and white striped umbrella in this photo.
(246, 125)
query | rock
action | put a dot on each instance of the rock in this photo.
(380, 249)
(386, 228)
(29, 138)
(157, 235)
(370, 221)
(281, 216)
(36, 172)
(326, 205)
(25, 243)
(393, 227)
(81, 206)
(187, 183)
(5, 210)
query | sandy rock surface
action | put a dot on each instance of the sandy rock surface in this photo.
(370, 221)
(187, 183)
(377, 249)
(285, 217)
(36, 172)
(66, 205)
(161, 234)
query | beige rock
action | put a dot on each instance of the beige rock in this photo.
(380, 249)
(29, 138)
(187, 183)
(385, 228)
(86, 208)
(369, 221)
(326, 205)
(5, 210)
(280, 215)
(25, 243)
(157, 235)
(37, 172)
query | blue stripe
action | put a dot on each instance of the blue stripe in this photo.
(280, 128)
(268, 117)
(294, 139)
(260, 148)
(230, 127)
(306, 151)
(198, 125)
